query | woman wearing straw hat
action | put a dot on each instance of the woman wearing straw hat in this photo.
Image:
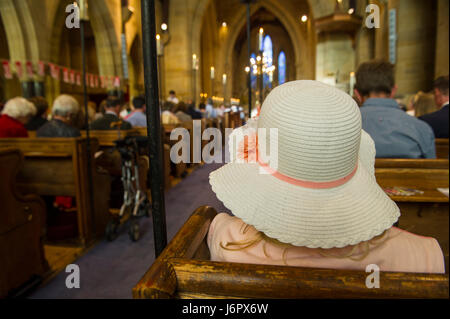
(318, 204)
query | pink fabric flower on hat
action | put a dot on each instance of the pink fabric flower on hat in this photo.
(248, 148)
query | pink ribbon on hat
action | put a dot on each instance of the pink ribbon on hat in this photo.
(248, 151)
(307, 184)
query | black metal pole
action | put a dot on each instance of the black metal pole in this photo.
(249, 75)
(156, 173)
(88, 138)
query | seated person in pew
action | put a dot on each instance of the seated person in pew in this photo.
(167, 116)
(396, 134)
(195, 115)
(181, 113)
(316, 202)
(137, 118)
(40, 118)
(439, 120)
(15, 114)
(111, 120)
(64, 112)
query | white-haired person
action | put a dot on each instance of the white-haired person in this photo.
(64, 112)
(15, 114)
(315, 202)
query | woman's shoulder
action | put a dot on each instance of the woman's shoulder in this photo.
(422, 253)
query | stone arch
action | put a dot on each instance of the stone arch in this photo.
(107, 44)
(13, 30)
(303, 38)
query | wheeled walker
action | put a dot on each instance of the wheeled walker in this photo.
(135, 201)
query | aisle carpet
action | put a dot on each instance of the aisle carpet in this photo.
(111, 269)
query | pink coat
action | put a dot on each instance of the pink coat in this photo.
(399, 251)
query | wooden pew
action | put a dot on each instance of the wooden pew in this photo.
(424, 179)
(425, 214)
(22, 225)
(183, 270)
(107, 138)
(58, 167)
(411, 163)
(111, 161)
(442, 147)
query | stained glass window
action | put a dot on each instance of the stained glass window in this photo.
(253, 75)
(268, 58)
(281, 68)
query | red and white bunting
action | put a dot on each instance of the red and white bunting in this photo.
(72, 77)
(102, 82)
(91, 80)
(19, 69)
(116, 82)
(7, 70)
(30, 71)
(66, 75)
(54, 71)
(41, 68)
(78, 78)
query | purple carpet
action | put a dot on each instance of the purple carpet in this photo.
(112, 269)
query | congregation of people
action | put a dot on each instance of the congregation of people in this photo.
(67, 117)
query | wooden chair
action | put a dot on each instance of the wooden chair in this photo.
(183, 270)
(22, 226)
(442, 147)
(58, 167)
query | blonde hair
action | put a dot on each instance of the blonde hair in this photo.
(423, 104)
(19, 107)
(357, 252)
(65, 106)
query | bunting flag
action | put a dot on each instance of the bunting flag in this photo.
(102, 82)
(78, 78)
(19, 69)
(54, 71)
(66, 75)
(72, 77)
(7, 70)
(27, 70)
(91, 80)
(30, 71)
(41, 68)
(116, 82)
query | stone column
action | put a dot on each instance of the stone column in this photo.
(441, 65)
(416, 29)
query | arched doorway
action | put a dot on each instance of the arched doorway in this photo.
(276, 40)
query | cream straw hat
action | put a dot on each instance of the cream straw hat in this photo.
(323, 191)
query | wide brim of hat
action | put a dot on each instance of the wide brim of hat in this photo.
(354, 212)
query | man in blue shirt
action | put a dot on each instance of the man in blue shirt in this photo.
(395, 133)
(137, 118)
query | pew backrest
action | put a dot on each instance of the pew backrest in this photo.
(58, 167)
(184, 271)
(106, 138)
(442, 148)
